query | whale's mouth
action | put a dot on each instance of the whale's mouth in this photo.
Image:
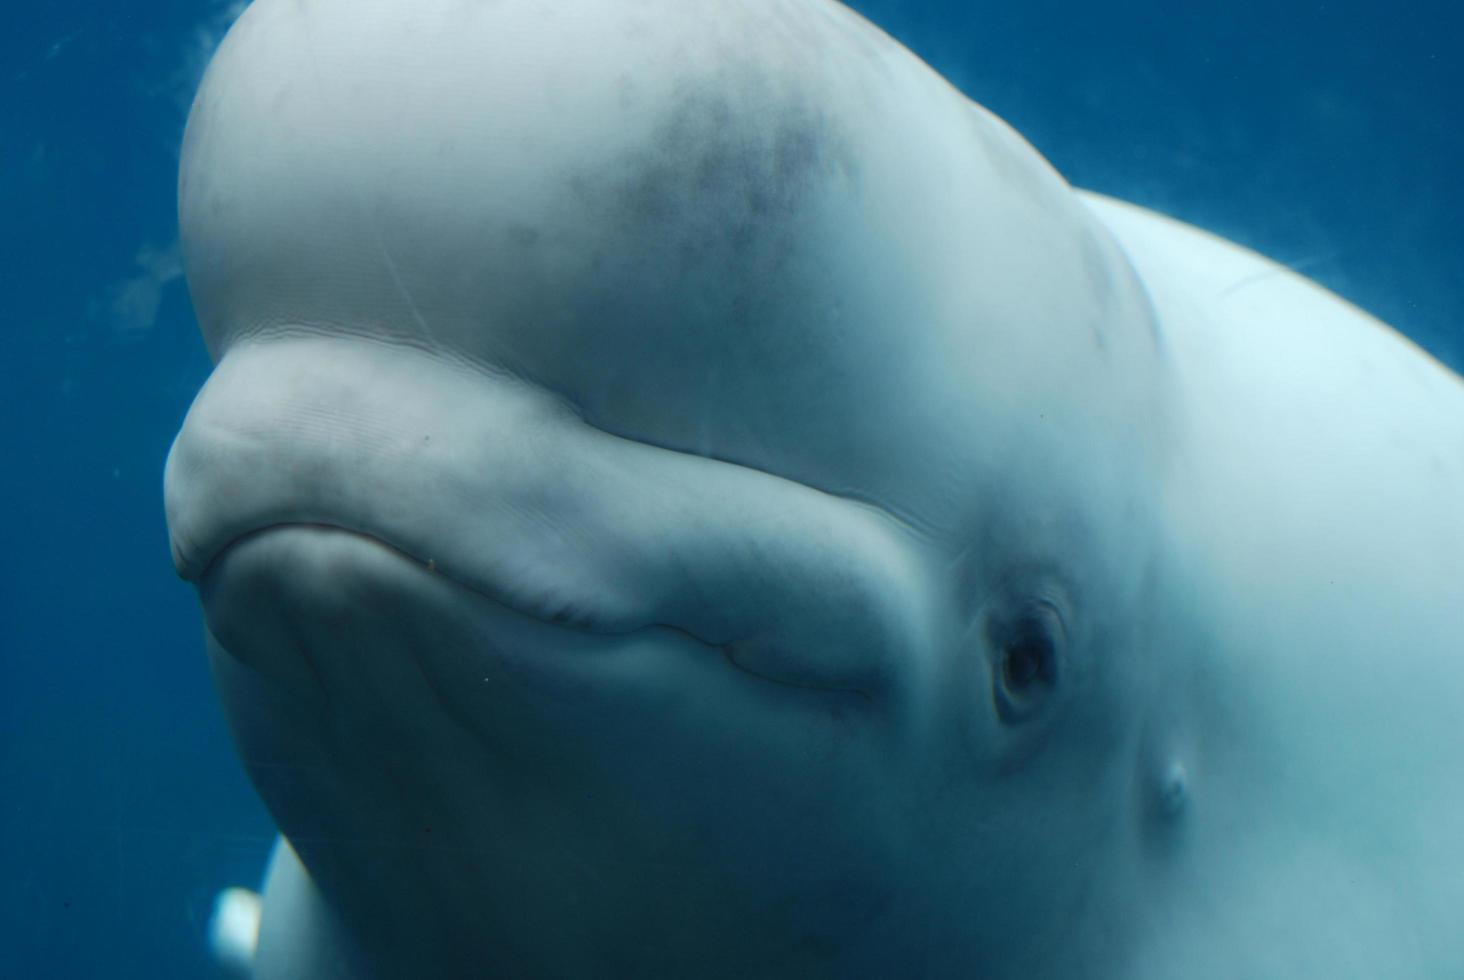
(428, 565)
(287, 599)
(364, 538)
(499, 487)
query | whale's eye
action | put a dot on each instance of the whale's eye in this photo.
(1027, 645)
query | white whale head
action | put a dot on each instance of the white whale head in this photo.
(681, 493)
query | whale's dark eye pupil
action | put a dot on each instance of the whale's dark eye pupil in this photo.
(1027, 657)
(1025, 662)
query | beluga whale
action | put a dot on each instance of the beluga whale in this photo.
(685, 492)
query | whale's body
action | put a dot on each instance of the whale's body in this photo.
(684, 492)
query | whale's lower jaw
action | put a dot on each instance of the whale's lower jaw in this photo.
(411, 737)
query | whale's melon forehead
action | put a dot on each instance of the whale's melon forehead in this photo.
(758, 231)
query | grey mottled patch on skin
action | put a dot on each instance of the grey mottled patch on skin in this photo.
(707, 167)
(723, 180)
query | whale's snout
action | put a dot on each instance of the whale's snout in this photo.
(499, 486)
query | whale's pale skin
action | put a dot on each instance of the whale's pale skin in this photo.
(686, 493)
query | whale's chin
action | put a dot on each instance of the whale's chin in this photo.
(411, 736)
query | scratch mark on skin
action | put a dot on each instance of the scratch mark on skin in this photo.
(396, 278)
(1301, 268)
(386, 257)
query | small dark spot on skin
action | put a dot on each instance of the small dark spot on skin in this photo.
(66, 904)
(523, 236)
(426, 830)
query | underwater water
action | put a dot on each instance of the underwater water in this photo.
(1325, 136)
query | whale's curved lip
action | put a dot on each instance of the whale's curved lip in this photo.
(206, 561)
(202, 564)
(219, 553)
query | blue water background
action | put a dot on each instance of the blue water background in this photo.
(1325, 134)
